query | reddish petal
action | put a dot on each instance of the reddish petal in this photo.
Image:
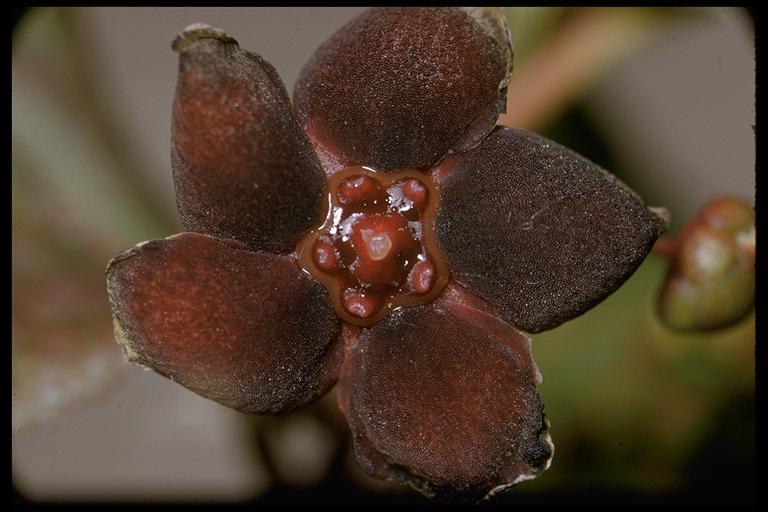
(246, 328)
(442, 397)
(242, 166)
(398, 87)
(540, 232)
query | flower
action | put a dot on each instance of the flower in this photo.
(264, 306)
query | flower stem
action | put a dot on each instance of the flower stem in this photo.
(666, 246)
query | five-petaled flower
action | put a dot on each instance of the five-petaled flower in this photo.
(488, 230)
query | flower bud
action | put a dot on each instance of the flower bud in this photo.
(711, 281)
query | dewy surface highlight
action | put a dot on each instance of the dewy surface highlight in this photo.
(376, 249)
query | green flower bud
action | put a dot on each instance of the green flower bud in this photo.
(711, 281)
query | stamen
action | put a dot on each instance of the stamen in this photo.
(416, 192)
(325, 255)
(361, 305)
(357, 191)
(422, 277)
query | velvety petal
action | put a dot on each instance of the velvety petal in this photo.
(539, 231)
(246, 328)
(443, 397)
(398, 87)
(242, 166)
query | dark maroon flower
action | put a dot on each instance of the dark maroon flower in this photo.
(387, 238)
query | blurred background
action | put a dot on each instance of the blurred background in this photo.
(664, 98)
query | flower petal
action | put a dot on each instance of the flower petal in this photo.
(399, 87)
(245, 328)
(443, 397)
(538, 231)
(242, 166)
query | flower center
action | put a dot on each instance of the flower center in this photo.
(376, 249)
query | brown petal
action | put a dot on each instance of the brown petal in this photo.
(443, 397)
(539, 231)
(246, 328)
(242, 166)
(398, 87)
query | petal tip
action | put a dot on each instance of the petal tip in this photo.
(663, 216)
(129, 354)
(546, 438)
(125, 254)
(121, 337)
(196, 32)
(493, 21)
